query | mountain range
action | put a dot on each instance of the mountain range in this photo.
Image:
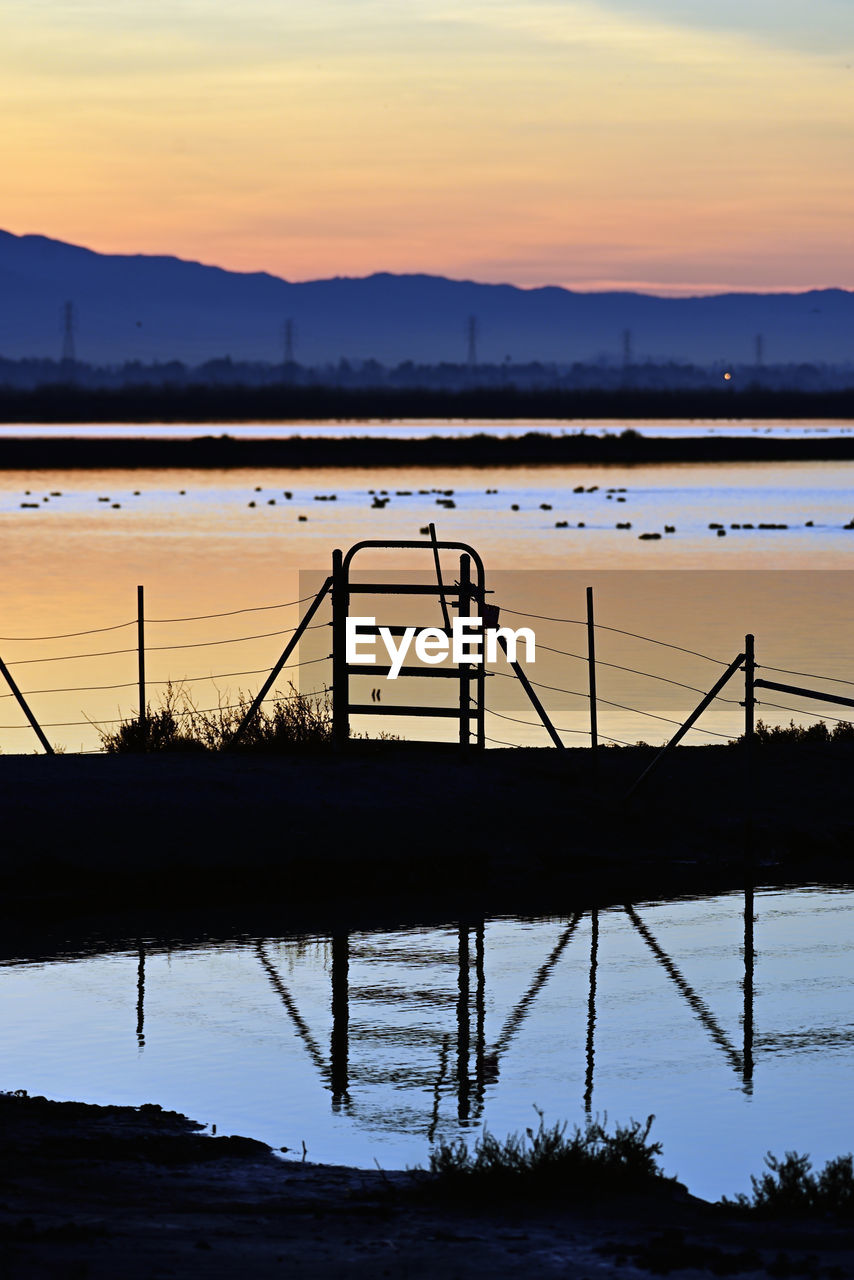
(142, 307)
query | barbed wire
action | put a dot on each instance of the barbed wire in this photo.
(619, 705)
(807, 675)
(799, 711)
(600, 626)
(534, 724)
(650, 675)
(231, 613)
(206, 644)
(538, 724)
(164, 648)
(69, 657)
(189, 711)
(68, 635)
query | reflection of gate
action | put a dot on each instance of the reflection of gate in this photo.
(460, 596)
(478, 1062)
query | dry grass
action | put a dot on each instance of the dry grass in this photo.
(289, 722)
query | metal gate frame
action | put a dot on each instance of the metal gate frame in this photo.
(460, 595)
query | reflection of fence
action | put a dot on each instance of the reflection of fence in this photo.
(467, 1061)
(29, 694)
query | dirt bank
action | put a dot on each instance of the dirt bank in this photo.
(62, 451)
(101, 1192)
(507, 831)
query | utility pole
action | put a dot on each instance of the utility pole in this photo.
(69, 357)
(471, 330)
(289, 336)
(760, 350)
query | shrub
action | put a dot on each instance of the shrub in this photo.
(296, 721)
(546, 1162)
(789, 1188)
(818, 734)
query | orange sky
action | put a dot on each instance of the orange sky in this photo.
(597, 143)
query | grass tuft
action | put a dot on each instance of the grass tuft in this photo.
(814, 735)
(292, 722)
(547, 1163)
(790, 1188)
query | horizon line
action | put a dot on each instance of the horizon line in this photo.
(653, 289)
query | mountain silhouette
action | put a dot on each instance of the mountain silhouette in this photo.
(140, 307)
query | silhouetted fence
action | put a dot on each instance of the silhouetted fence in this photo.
(24, 692)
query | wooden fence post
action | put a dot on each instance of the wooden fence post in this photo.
(340, 674)
(140, 636)
(591, 663)
(749, 699)
(22, 703)
(464, 611)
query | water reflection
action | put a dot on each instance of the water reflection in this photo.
(371, 1044)
(591, 1011)
(140, 999)
(476, 1064)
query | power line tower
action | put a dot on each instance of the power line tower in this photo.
(69, 356)
(471, 331)
(289, 334)
(760, 349)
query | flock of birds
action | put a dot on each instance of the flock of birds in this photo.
(445, 498)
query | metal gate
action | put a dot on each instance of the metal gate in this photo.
(470, 680)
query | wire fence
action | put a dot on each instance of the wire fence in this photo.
(567, 663)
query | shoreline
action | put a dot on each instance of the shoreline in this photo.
(289, 401)
(102, 1191)
(529, 448)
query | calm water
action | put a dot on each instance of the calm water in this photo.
(370, 1046)
(440, 427)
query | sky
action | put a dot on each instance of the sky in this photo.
(670, 146)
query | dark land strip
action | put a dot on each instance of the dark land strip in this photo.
(209, 402)
(56, 451)
(100, 1192)
(401, 834)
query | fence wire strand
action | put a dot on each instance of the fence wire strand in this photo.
(807, 675)
(600, 626)
(231, 613)
(68, 635)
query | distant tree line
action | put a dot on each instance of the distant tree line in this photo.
(370, 375)
(210, 403)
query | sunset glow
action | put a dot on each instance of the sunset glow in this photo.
(589, 143)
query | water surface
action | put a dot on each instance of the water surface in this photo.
(728, 1018)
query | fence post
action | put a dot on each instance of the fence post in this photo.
(749, 699)
(22, 703)
(140, 635)
(749, 748)
(340, 681)
(464, 611)
(591, 663)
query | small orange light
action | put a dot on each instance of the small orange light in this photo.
(727, 377)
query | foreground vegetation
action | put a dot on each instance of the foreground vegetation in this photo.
(546, 1163)
(789, 1188)
(814, 735)
(296, 721)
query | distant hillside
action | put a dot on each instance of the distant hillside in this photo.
(148, 308)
